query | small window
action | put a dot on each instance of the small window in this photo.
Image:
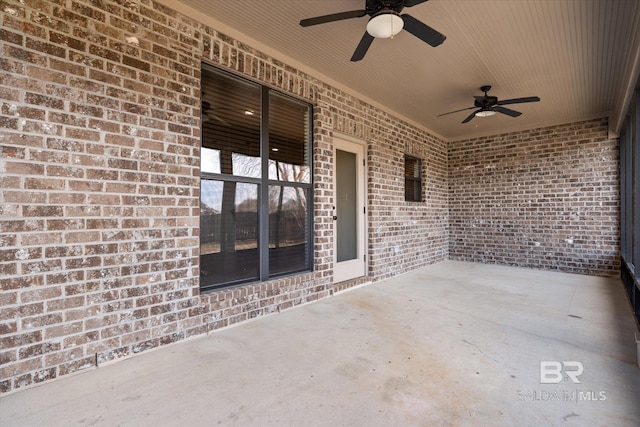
(412, 179)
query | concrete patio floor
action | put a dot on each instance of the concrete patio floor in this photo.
(455, 344)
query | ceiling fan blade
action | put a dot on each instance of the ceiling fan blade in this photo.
(333, 17)
(410, 3)
(457, 111)
(422, 31)
(519, 100)
(471, 116)
(363, 46)
(507, 111)
(210, 116)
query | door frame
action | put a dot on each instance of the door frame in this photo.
(351, 269)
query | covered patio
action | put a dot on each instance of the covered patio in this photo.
(453, 343)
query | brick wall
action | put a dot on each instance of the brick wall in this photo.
(99, 185)
(546, 198)
(406, 235)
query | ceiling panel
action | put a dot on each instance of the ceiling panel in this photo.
(578, 56)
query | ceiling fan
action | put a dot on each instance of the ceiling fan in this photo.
(489, 105)
(208, 114)
(385, 22)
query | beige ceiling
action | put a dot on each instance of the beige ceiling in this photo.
(581, 57)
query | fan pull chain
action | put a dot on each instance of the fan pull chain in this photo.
(392, 32)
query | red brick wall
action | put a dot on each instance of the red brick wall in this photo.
(99, 185)
(546, 198)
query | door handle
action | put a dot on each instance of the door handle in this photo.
(335, 217)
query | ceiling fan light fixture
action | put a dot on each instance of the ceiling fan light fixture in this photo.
(385, 24)
(485, 113)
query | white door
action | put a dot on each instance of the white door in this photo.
(349, 212)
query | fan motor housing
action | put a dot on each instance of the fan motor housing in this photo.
(375, 6)
(486, 101)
